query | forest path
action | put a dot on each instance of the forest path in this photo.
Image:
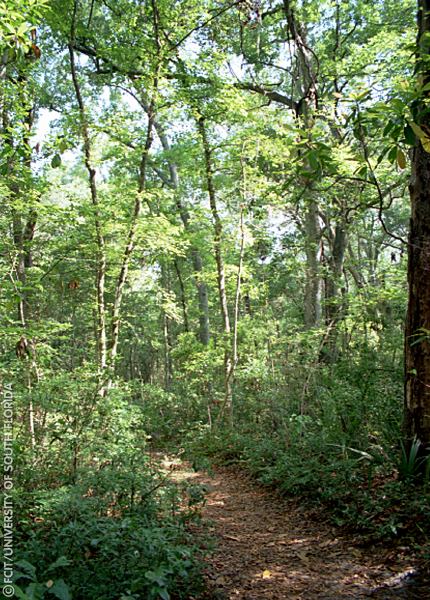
(270, 548)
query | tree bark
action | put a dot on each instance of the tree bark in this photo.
(305, 88)
(131, 235)
(312, 296)
(218, 235)
(23, 221)
(417, 336)
(101, 253)
(129, 245)
(334, 296)
(167, 333)
(182, 295)
(196, 259)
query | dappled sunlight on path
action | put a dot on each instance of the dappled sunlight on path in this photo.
(267, 548)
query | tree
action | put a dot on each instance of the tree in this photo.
(417, 336)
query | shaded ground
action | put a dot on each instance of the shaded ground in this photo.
(267, 548)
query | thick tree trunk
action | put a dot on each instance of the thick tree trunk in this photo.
(417, 340)
(217, 224)
(19, 165)
(417, 337)
(203, 298)
(305, 88)
(167, 331)
(196, 259)
(336, 269)
(131, 235)
(334, 297)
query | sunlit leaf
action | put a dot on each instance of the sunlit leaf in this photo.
(401, 159)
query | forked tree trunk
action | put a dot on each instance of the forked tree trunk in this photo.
(417, 336)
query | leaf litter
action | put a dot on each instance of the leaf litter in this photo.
(269, 548)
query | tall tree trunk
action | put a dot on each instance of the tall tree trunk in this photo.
(218, 235)
(417, 336)
(131, 235)
(167, 333)
(23, 225)
(336, 262)
(203, 298)
(238, 290)
(334, 301)
(312, 296)
(196, 259)
(305, 87)
(101, 253)
(129, 247)
(182, 295)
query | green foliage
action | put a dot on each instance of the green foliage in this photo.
(114, 265)
(412, 462)
(103, 548)
(101, 521)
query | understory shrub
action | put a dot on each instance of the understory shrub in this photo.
(95, 516)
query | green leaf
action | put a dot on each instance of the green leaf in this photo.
(422, 135)
(417, 130)
(62, 561)
(362, 96)
(63, 145)
(425, 141)
(22, 29)
(163, 593)
(60, 590)
(35, 591)
(27, 568)
(388, 127)
(313, 161)
(56, 161)
(19, 593)
(409, 134)
(392, 154)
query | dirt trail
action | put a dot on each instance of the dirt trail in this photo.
(267, 548)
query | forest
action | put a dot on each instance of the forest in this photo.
(215, 299)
